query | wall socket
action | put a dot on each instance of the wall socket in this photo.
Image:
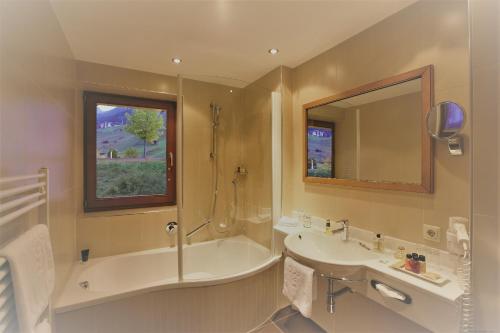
(432, 233)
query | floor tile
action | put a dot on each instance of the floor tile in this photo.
(284, 312)
(298, 324)
(269, 328)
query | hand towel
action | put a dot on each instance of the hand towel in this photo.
(32, 271)
(288, 221)
(299, 285)
(386, 292)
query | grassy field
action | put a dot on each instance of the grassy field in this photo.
(320, 150)
(119, 178)
(117, 138)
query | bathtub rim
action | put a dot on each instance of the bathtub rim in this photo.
(71, 303)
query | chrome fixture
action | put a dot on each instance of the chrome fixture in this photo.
(445, 121)
(171, 228)
(195, 230)
(84, 284)
(238, 172)
(332, 295)
(344, 228)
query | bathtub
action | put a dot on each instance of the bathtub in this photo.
(208, 263)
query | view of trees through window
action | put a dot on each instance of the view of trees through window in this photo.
(319, 151)
(130, 151)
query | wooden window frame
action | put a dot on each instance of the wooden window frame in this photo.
(91, 202)
(426, 185)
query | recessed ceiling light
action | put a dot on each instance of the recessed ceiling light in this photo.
(273, 51)
(176, 60)
(231, 90)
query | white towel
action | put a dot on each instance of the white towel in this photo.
(32, 271)
(299, 286)
(288, 221)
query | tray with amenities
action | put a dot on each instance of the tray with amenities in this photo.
(427, 276)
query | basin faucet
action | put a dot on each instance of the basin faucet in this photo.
(344, 228)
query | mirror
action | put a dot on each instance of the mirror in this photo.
(445, 120)
(372, 136)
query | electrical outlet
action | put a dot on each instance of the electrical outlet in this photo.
(432, 233)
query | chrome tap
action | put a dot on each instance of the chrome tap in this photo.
(344, 228)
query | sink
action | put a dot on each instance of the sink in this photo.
(329, 254)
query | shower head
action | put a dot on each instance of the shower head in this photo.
(215, 114)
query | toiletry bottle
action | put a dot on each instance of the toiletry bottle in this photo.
(328, 227)
(376, 243)
(423, 264)
(400, 253)
(414, 263)
(408, 262)
(381, 244)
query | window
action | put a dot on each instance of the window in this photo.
(320, 149)
(129, 152)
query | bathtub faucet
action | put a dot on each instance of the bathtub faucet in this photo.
(198, 228)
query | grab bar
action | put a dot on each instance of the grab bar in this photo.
(198, 228)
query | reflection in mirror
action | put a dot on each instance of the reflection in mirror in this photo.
(445, 120)
(373, 136)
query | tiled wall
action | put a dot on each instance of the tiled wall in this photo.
(113, 232)
(427, 32)
(37, 115)
(485, 56)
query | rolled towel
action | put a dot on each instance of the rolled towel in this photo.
(288, 221)
(299, 286)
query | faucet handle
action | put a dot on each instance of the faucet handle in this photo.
(345, 222)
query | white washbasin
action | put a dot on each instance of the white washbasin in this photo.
(328, 253)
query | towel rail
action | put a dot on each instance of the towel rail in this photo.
(18, 202)
(21, 189)
(20, 178)
(15, 202)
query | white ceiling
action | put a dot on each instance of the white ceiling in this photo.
(216, 40)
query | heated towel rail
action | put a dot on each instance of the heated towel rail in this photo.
(21, 195)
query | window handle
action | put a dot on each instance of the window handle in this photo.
(171, 159)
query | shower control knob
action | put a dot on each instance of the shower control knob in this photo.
(171, 228)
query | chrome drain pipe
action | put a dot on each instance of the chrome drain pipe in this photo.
(331, 295)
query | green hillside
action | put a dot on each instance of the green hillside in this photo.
(117, 138)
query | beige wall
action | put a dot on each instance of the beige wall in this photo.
(427, 32)
(390, 139)
(37, 115)
(485, 55)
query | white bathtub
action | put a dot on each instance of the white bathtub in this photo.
(207, 263)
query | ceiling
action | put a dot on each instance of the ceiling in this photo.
(218, 41)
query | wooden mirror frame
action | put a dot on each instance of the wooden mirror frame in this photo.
(427, 151)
